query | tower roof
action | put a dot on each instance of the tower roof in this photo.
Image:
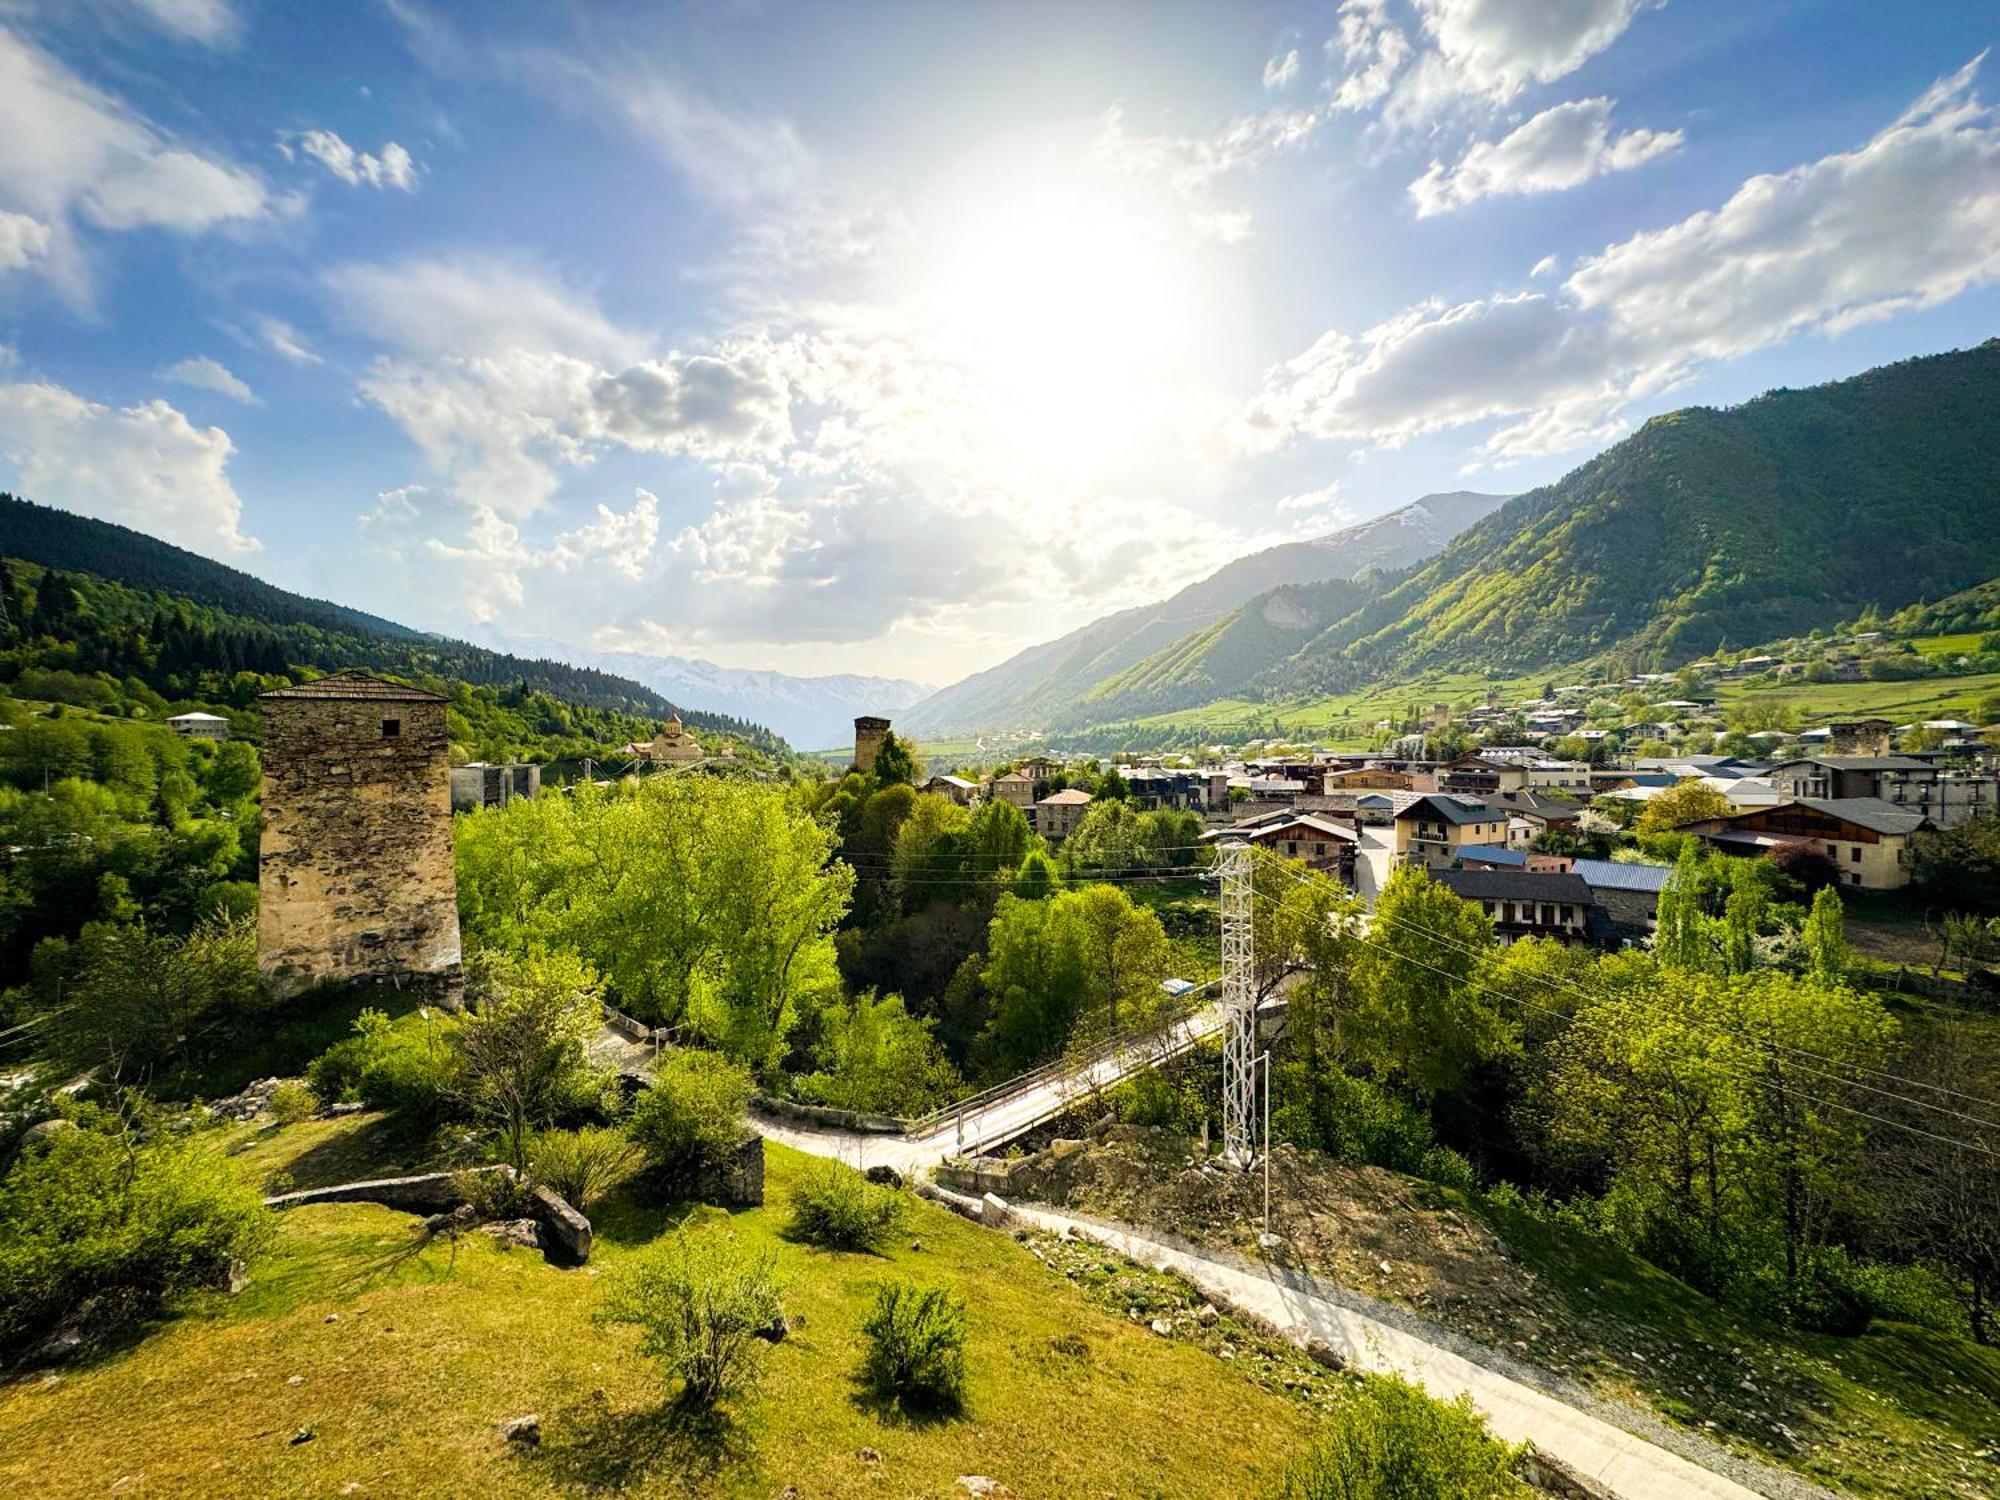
(353, 686)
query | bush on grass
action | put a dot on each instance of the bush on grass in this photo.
(836, 1208)
(916, 1347)
(700, 1303)
(692, 1117)
(406, 1064)
(99, 1228)
(1391, 1441)
(292, 1101)
(581, 1164)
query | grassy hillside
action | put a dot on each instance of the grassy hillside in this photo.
(273, 628)
(1048, 683)
(1707, 529)
(400, 1365)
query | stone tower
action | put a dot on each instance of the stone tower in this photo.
(354, 870)
(868, 736)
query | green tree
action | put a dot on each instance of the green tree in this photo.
(1419, 1014)
(876, 1057)
(1125, 955)
(1682, 936)
(1687, 802)
(1035, 976)
(1825, 936)
(896, 763)
(524, 1047)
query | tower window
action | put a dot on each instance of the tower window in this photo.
(392, 729)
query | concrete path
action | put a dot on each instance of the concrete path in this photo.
(1306, 1311)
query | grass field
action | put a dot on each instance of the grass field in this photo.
(351, 1365)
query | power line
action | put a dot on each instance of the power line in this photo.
(1567, 1019)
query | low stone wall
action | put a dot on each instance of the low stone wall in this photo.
(826, 1115)
(427, 1193)
(737, 1182)
(1018, 1177)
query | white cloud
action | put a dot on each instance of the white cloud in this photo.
(435, 546)
(1373, 49)
(1193, 166)
(622, 543)
(210, 375)
(1281, 72)
(1546, 266)
(473, 305)
(23, 240)
(1910, 219)
(1497, 48)
(144, 466)
(1560, 148)
(213, 23)
(394, 168)
(282, 340)
(66, 148)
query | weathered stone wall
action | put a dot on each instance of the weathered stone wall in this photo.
(355, 875)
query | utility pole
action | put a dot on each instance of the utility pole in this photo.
(1239, 1011)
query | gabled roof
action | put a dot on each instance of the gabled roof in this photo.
(1494, 854)
(1290, 827)
(1536, 805)
(1513, 885)
(1067, 797)
(958, 781)
(197, 717)
(355, 686)
(1450, 809)
(1868, 812)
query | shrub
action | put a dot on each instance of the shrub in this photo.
(494, 1195)
(98, 1229)
(1149, 1098)
(1351, 1119)
(581, 1164)
(835, 1207)
(916, 1347)
(1391, 1441)
(1443, 1165)
(292, 1101)
(876, 1057)
(700, 1303)
(405, 1064)
(692, 1116)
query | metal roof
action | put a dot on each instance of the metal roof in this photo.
(355, 686)
(1494, 854)
(1615, 875)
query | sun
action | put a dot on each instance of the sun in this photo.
(1070, 295)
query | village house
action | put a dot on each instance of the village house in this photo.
(1530, 815)
(1481, 776)
(1016, 786)
(1057, 815)
(1947, 798)
(957, 788)
(481, 784)
(1627, 896)
(1525, 903)
(199, 726)
(1324, 843)
(1866, 838)
(1432, 828)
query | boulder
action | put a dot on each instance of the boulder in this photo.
(883, 1175)
(523, 1232)
(565, 1232)
(993, 1211)
(738, 1180)
(526, 1429)
(1207, 1316)
(988, 1489)
(45, 1130)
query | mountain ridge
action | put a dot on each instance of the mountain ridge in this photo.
(1045, 682)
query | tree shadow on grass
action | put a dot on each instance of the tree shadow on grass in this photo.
(887, 1409)
(593, 1448)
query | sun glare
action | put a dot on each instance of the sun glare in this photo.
(1074, 300)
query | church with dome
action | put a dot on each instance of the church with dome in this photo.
(672, 746)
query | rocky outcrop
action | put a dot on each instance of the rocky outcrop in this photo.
(737, 1181)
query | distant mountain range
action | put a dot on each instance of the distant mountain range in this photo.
(811, 713)
(1111, 667)
(1703, 530)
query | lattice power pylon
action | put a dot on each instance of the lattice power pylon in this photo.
(1239, 1010)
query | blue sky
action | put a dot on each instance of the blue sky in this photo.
(892, 338)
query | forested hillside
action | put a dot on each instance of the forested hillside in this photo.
(244, 623)
(1706, 529)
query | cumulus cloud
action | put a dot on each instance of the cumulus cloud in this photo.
(69, 151)
(1372, 48)
(1559, 148)
(145, 466)
(1497, 48)
(210, 375)
(394, 168)
(23, 240)
(1908, 220)
(622, 543)
(1281, 72)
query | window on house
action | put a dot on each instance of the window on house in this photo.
(392, 729)
(1854, 854)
